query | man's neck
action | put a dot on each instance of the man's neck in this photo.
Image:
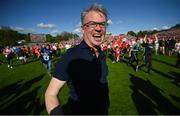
(95, 48)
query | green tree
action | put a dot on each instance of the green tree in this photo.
(140, 34)
(27, 38)
(132, 33)
(64, 36)
(9, 37)
(50, 38)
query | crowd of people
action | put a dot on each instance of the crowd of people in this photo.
(122, 45)
(44, 52)
(116, 47)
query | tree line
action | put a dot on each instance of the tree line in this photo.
(9, 37)
(150, 32)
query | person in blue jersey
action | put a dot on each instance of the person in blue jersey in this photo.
(47, 58)
(134, 49)
(84, 69)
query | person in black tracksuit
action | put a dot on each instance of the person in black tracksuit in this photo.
(148, 53)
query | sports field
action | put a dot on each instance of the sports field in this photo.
(22, 88)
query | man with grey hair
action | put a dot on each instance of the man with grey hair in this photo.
(84, 69)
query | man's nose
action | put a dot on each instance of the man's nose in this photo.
(98, 28)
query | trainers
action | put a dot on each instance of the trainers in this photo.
(11, 67)
(8, 66)
(136, 68)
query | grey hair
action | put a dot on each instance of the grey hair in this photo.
(94, 7)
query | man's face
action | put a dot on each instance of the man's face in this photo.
(94, 28)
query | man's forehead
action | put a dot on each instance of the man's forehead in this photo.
(94, 15)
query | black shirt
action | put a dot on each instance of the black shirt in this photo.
(86, 76)
(148, 49)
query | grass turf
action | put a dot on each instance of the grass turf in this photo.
(22, 88)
